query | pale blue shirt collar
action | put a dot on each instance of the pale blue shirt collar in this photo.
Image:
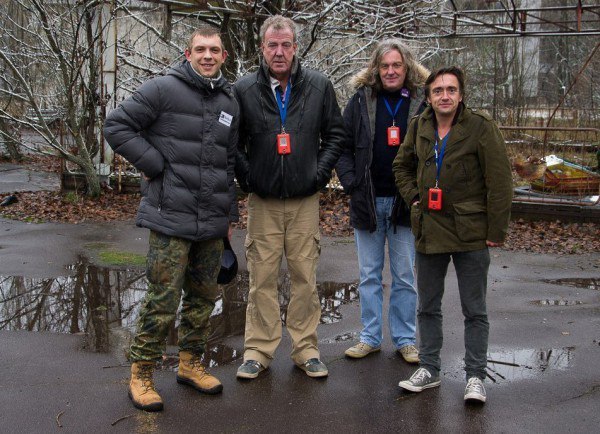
(275, 83)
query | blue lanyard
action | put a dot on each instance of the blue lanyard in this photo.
(283, 106)
(439, 157)
(389, 109)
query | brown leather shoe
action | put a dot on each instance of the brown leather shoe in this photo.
(192, 373)
(141, 387)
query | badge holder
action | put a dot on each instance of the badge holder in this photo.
(283, 144)
(393, 134)
(435, 199)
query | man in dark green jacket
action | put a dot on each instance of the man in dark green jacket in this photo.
(454, 171)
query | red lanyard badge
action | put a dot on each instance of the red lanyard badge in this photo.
(283, 144)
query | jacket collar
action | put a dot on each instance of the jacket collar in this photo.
(428, 128)
(185, 72)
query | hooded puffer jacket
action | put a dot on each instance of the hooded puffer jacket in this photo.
(181, 130)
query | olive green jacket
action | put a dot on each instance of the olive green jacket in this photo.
(475, 179)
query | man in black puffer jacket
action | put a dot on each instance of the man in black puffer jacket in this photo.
(291, 135)
(180, 131)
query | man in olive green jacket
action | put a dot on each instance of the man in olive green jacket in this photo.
(454, 171)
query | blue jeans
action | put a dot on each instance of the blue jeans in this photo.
(403, 295)
(471, 273)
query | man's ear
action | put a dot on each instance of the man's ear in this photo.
(187, 54)
(225, 54)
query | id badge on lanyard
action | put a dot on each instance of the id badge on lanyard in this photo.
(284, 145)
(435, 193)
(393, 132)
(393, 135)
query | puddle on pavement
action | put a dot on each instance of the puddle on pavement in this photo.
(508, 365)
(521, 364)
(96, 300)
(588, 283)
(560, 302)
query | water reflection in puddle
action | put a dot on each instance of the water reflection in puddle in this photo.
(97, 299)
(588, 283)
(520, 364)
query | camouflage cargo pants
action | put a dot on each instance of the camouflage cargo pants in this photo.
(174, 264)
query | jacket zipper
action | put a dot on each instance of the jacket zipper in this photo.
(162, 192)
(372, 210)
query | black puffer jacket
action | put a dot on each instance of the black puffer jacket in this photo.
(354, 166)
(315, 126)
(175, 130)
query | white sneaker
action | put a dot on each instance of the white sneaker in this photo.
(475, 390)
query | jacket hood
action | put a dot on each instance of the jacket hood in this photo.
(185, 72)
(362, 78)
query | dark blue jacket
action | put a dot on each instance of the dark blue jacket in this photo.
(354, 166)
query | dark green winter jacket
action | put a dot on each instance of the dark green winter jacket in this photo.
(475, 178)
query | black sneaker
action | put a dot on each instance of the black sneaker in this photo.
(250, 369)
(314, 368)
(421, 379)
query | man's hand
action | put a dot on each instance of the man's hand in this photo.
(230, 231)
(493, 244)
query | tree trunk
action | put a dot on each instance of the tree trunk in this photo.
(11, 145)
(91, 178)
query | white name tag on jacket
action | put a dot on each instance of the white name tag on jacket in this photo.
(225, 118)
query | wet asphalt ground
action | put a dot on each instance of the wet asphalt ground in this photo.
(544, 355)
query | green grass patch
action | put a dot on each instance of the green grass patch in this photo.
(111, 257)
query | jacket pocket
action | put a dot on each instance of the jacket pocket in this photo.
(416, 220)
(317, 238)
(249, 249)
(470, 220)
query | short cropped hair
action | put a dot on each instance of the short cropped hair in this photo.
(278, 22)
(453, 70)
(207, 31)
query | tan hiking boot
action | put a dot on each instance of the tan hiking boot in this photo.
(192, 373)
(141, 387)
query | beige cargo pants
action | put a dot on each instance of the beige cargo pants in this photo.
(275, 227)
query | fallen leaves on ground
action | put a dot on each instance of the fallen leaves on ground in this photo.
(553, 237)
(47, 206)
(530, 236)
